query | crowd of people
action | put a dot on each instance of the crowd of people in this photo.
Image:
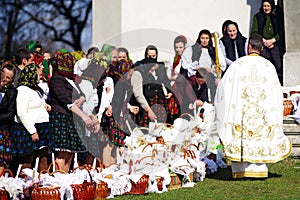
(88, 102)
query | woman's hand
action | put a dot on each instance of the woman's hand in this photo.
(88, 123)
(108, 112)
(97, 127)
(269, 43)
(151, 114)
(35, 137)
(169, 95)
(48, 107)
(96, 123)
(134, 109)
(79, 101)
(199, 103)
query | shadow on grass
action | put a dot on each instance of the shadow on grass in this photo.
(274, 175)
(222, 174)
(226, 175)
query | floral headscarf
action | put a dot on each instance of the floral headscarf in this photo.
(63, 63)
(121, 67)
(77, 55)
(29, 77)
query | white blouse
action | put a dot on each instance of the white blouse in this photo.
(30, 108)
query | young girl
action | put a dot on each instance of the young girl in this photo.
(31, 133)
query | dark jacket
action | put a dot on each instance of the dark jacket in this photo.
(8, 108)
(61, 93)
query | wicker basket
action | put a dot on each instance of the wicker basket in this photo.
(102, 191)
(3, 194)
(45, 193)
(141, 186)
(84, 191)
(288, 107)
(160, 181)
(175, 182)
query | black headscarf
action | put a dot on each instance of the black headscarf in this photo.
(240, 41)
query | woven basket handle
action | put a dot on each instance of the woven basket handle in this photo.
(189, 153)
(7, 171)
(84, 167)
(44, 171)
(197, 147)
(168, 125)
(139, 161)
(186, 114)
(150, 144)
(51, 165)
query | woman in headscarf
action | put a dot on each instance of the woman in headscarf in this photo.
(66, 99)
(178, 82)
(121, 65)
(30, 132)
(8, 95)
(151, 90)
(160, 74)
(265, 23)
(202, 55)
(233, 44)
(89, 77)
(175, 65)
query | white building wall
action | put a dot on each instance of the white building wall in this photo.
(136, 23)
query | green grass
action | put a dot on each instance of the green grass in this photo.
(283, 183)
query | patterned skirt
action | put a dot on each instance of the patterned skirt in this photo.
(112, 131)
(159, 107)
(22, 144)
(88, 138)
(5, 147)
(65, 135)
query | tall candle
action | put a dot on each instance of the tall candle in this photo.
(37, 163)
(164, 89)
(129, 128)
(75, 161)
(94, 163)
(195, 110)
(19, 170)
(35, 169)
(53, 162)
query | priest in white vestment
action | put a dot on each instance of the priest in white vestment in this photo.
(249, 111)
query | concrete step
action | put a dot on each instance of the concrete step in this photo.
(292, 130)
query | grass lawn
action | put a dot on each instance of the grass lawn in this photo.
(283, 183)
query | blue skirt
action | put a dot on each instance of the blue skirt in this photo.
(21, 142)
(64, 133)
(5, 146)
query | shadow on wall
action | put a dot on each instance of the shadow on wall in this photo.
(254, 8)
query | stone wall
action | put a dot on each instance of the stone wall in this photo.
(291, 59)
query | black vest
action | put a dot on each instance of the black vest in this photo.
(197, 50)
(230, 49)
(261, 20)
